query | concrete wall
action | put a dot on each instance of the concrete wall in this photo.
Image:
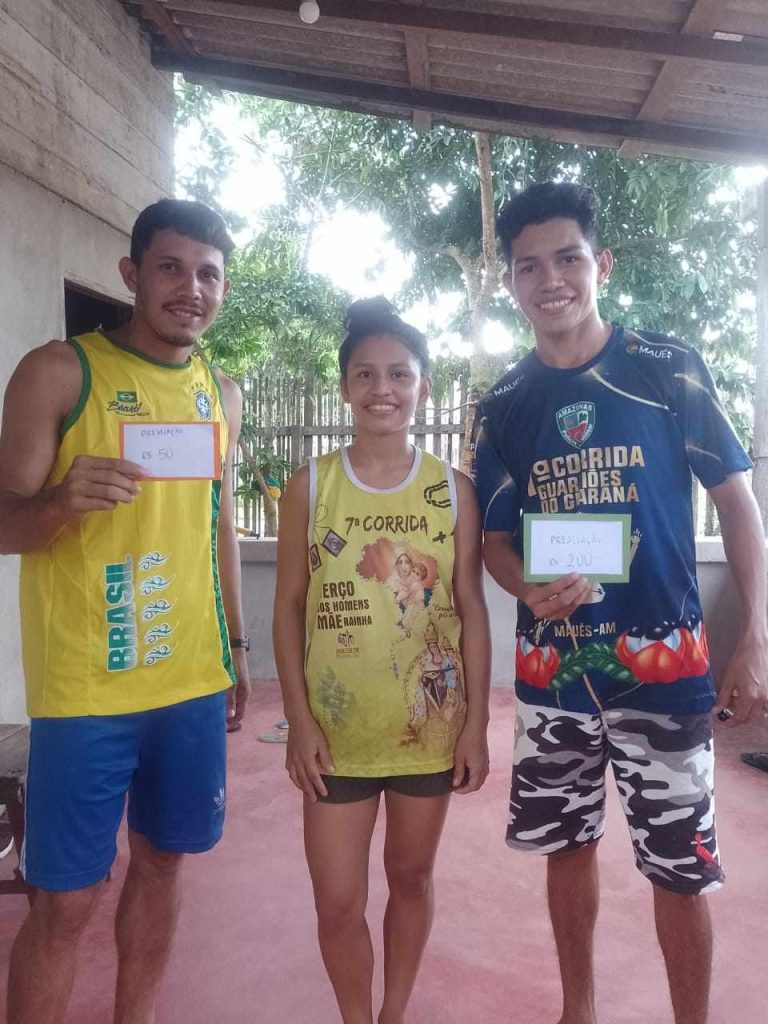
(82, 111)
(258, 563)
(86, 141)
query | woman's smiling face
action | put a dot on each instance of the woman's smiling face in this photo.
(383, 384)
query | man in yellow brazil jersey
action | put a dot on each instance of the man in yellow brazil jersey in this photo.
(115, 487)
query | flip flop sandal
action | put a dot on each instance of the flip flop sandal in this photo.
(281, 736)
(282, 724)
(757, 759)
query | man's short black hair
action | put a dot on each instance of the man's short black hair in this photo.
(195, 220)
(539, 203)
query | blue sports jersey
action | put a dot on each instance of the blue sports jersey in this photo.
(619, 434)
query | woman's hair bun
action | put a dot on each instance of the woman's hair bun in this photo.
(367, 316)
(378, 315)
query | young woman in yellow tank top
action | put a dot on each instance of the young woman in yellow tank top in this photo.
(383, 648)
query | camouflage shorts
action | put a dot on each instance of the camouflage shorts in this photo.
(663, 766)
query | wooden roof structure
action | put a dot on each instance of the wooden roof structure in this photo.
(671, 77)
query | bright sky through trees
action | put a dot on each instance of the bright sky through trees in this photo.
(352, 249)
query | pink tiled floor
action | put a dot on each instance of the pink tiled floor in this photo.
(246, 951)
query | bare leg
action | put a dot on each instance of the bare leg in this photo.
(573, 893)
(43, 958)
(414, 825)
(337, 840)
(144, 928)
(685, 934)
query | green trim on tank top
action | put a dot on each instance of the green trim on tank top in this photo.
(145, 358)
(85, 388)
(226, 657)
(212, 370)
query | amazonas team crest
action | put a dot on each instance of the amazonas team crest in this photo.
(576, 422)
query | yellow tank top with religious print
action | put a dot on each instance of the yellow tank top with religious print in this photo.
(122, 611)
(383, 663)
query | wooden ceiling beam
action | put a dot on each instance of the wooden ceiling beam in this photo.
(417, 58)
(156, 14)
(356, 93)
(702, 17)
(660, 45)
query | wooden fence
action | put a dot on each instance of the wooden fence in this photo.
(286, 421)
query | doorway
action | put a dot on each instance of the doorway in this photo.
(86, 310)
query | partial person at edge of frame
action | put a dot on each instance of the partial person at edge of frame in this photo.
(127, 665)
(379, 565)
(603, 419)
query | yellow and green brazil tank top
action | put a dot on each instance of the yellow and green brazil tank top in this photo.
(122, 611)
(383, 664)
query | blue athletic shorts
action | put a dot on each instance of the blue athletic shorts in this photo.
(171, 762)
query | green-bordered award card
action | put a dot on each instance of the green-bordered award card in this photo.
(595, 546)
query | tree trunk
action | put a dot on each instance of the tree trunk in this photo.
(481, 364)
(760, 442)
(269, 504)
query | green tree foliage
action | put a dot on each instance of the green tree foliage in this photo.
(278, 317)
(684, 258)
(215, 158)
(278, 320)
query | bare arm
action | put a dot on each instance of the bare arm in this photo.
(43, 390)
(745, 682)
(307, 753)
(229, 551)
(472, 747)
(555, 600)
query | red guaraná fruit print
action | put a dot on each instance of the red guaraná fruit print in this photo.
(535, 665)
(696, 650)
(665, 654)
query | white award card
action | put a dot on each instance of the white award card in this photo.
(173, 451)
(595, 546)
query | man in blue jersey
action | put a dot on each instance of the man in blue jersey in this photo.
(600, 419)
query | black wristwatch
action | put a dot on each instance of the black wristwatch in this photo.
(240, 641)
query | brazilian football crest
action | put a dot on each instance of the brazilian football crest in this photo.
(203, 404)
(576, 422)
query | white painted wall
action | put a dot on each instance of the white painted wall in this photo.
(258, 564)
(86, 141)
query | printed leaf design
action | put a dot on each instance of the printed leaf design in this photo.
(158, 654)
(162, 629)
(155, 608)
(152, 558)
(334, 698)
(594, 657)
(153, 583)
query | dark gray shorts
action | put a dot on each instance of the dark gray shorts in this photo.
(349, 789)
(663, 766)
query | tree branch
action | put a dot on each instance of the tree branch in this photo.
(470, 270)
(490, 257)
